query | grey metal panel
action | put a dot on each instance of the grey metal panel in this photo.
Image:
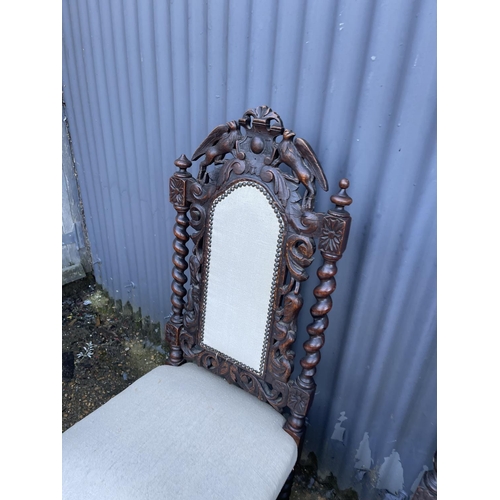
(145, 81)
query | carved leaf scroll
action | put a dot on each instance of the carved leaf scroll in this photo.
(268, 174)
(236, 166)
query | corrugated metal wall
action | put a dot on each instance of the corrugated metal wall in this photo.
(144, 81)
(76, 260)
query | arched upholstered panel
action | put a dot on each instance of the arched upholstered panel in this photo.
(244, 245)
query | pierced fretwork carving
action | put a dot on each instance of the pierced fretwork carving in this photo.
(247, 151)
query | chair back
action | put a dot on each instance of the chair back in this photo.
(253, 227)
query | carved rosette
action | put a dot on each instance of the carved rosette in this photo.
(231, 156)
(298, 400)
(177, 191)
(332, 235)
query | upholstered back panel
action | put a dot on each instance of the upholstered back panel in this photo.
(244, 244)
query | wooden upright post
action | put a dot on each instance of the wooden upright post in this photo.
(178, 198)
(332, 243)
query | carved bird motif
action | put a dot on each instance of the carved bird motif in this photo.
(300, 157)
(217, 144)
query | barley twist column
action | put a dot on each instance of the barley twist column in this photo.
(178, 183)
(332, 243)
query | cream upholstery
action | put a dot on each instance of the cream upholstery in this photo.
(244, 243)
(178, 433)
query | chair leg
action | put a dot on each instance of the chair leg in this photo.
(287, 488)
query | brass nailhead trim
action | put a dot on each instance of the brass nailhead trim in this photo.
(279, 247)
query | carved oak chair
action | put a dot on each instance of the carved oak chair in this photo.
(182, 431)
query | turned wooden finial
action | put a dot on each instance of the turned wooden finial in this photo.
(342, 199)
(183, 162)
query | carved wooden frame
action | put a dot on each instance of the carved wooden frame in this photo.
(256, 157)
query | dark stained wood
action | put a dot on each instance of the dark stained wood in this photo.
(222, 140)
(178, 198)
(427, 489)
(256, 158)
(300, 157)
(287, 487)
(332, 243)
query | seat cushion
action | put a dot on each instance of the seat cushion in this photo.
(178, 432)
